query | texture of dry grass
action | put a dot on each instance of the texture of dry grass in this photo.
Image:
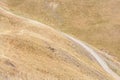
(93, 21)
(32, 51)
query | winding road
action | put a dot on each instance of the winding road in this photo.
(90, 50)
(96, 56)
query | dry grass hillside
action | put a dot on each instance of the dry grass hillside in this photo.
(93, 21)
(30, 50)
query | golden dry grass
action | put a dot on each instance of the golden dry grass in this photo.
(31, 51)
(96, 22)
(34, 51)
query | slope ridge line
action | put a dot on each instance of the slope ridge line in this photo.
(96, 56)
(90, 50)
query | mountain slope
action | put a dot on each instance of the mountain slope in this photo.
(96, 22)
(30, 50)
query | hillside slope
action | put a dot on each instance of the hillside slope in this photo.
(93, 21)
(30, 50)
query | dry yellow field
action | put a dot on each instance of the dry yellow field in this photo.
(30, 50)
(93, 21)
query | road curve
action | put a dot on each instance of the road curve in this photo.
(96, 56)
(90, 50)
